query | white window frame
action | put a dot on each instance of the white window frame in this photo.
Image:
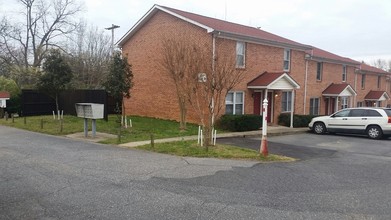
(344, 73)
(287, 59)
(313, 107)
(344, 102)
(319, 71)
(240, 54)
(288, 103)
(234, 102)
(360, 104)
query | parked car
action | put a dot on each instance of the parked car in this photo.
(374, 122)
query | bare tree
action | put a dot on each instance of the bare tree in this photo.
(382, 64)
(177, 60)
(208, 97)
(40, 26)
(202, 81)
(90, 50)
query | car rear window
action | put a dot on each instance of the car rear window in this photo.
(388, 112)
(372, 113)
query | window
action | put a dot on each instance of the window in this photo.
(344, 102)
(1, 103)
(287, 59)
(360, 104)
(319, 70)
(343, 113)
(286, 101)
(344, 73)
(234, 103)
(363, 81)
(314, 106)
(357, 113)
(240, 54)
(378, 81)
(372, 113)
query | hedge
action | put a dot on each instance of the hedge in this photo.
(298, 120)
(239, 122)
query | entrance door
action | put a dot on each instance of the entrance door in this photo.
(258, 102)
(329, 106)
(269, 106)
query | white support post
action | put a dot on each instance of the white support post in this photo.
(201, 138)
(263, 148)
(126, 122)
(199, 133)
(292, 107)
(215, 136)
(54, 116)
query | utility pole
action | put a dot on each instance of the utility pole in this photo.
(113, 26)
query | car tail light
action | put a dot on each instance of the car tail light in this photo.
(389, 120)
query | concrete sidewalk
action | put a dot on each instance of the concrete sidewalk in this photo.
(271, 131)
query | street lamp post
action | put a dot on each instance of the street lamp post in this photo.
(113, 26)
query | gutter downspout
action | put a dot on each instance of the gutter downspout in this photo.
(305, 87)
(355, 88)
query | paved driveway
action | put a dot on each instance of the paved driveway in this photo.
(46, 177)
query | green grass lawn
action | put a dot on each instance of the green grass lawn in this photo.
(142, 127)
(191, 149)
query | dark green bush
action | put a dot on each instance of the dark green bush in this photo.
(298, 120)
(239, 122)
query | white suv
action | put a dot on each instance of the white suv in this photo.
(374, 122)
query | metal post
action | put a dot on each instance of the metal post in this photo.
(85, 127)
(113, 26)
(263, 148)
(93, 128)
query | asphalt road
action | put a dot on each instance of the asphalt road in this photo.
(46, 177)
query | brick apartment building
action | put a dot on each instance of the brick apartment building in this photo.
(292, 75)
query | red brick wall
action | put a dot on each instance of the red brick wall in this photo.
(153, 93)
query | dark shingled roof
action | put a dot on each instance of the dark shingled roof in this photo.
(4, 94)
(375, 95)
(265, 79)
(335, 89)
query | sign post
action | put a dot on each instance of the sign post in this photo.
(263, 147)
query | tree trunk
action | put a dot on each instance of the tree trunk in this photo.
(183, 111)
(57, 108)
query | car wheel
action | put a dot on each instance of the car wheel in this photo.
(374, 132)
(319, 128)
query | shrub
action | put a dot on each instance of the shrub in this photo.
(239, 122)
(298, 120)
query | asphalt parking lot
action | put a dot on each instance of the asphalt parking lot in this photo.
(47, 177)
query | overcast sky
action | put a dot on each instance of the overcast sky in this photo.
(359, 29)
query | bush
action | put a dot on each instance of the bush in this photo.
(298, 120)
(239, 122)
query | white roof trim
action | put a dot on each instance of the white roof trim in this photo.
(348, 88)
(290, 80)
(208, 29)
(148, 15)
(383, 97)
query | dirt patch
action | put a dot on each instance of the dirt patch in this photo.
(98, 136)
